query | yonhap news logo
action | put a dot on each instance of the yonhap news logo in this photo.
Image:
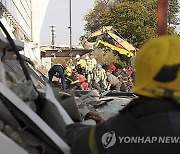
(108, 139)
(149, 139)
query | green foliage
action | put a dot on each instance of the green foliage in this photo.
(173, 21)
(59, 60)
(104, 57)
(135, 20)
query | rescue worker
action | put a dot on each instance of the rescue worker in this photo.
(123, 77)
(71, 64)
(80, 65)
(91, 65)
(113, 69)
(129, 71)
(82, 80)
(67, 70)
(100, 77)
(113, 82)
(73, 82)
(148, 124)
(58, 71)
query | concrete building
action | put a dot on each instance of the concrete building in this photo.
(24, 19)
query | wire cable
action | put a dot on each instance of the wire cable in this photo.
(21, 61)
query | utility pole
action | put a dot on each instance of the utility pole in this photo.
(70, 29)
(162, 17)
(53, 34)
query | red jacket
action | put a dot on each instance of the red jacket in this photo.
(82, 80)
(80, 77)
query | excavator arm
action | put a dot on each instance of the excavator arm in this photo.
(107, 38)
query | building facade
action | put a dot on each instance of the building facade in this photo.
(25, 19)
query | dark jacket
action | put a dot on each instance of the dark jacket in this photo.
(145, 126)
(58, 71)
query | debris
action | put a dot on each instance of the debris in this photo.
(2, 74)
(26, 92)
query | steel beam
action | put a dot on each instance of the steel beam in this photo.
(64, 53)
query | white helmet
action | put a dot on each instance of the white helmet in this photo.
(87, 57)
(77, 56)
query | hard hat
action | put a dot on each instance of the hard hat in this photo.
(86, 57)
(99, 66)
(77, 56)
(83, 65)
(112, 67)
(158, 68)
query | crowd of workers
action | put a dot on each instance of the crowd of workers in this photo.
(88, 74)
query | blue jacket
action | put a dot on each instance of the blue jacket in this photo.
(57, 70)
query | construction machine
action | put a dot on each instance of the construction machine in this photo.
(108, 38)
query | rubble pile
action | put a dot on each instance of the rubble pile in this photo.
(34, 114)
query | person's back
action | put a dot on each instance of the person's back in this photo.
(72, 82)
(82, 80)
(145, 126)
(150, 123)
(58, 71)
(113, 82)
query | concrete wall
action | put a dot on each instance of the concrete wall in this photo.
(25, 18)
(38, 14)
(46, 62)
(21, 13)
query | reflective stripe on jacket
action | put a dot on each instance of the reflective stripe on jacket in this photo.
(91, 64)
(68, 71)
(144, 118)
(101, 74)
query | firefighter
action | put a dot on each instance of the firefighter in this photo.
(91, 65)
(58, 71)
(80, 65)
(67, 70)
(114, 70)
(100, 77)
(72, 82)
(71, 64)
(113, 83)
(148, 123)
(82, 80)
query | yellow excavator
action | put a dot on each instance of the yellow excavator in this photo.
(108, 38)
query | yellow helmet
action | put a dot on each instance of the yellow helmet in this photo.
(157, 68)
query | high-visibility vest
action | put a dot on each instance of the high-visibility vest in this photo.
(68, 71)
(91, 64)
(101, 74)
